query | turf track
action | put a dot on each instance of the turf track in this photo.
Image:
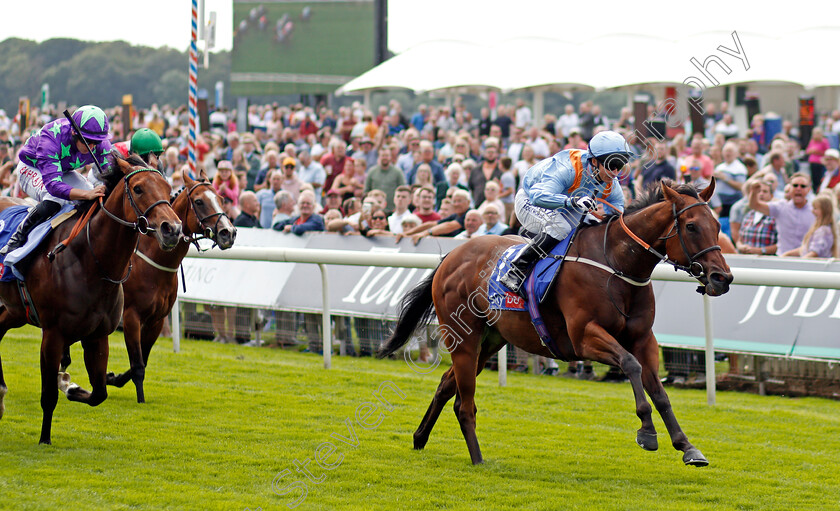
(221, 422)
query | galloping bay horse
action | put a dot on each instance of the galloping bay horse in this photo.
(151, 290)
(597, 313)
(79, 295)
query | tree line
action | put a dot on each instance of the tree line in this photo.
(82, 72)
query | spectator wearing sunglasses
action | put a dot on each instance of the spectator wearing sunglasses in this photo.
(793, 216)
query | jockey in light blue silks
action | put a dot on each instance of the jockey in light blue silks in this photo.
(48, 167)
(558, 191)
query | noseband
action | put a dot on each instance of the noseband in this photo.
(141, 225)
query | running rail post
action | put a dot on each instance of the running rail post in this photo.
(176, 326)
(711, 382)
(326, 331)
(503, 366)
(193, 88)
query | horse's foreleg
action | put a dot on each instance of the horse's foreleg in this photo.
(65, 360)
(648, 356)
(599, 345)
(132, 330)
(96, 363)
(52, 348)
(148, 336)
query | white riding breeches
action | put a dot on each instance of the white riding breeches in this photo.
(556, 223)
(33, 185)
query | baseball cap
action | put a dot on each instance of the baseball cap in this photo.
(832, 153)
(289, 161)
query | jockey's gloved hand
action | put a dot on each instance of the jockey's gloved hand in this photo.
(583, 203)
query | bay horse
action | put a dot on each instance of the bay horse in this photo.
(596, 313)
(79, 295)
(151, 289)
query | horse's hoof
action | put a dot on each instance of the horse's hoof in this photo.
(647, 441)
(110, 379)
(694, 457)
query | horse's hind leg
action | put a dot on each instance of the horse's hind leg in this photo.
(6, 323)
(648, 356)
(464, 363)
(444, 393)
(96, 363)
(446, 390)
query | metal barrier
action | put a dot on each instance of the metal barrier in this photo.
(322, 257)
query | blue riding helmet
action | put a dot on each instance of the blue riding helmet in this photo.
(610, 149)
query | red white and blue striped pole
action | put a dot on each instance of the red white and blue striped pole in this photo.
(193, 101)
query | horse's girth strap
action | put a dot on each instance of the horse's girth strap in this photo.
(607, 269)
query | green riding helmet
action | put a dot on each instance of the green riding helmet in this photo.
(146, 141)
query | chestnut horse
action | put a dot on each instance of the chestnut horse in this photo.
(596, 313)
(79, 295)
(151, 290)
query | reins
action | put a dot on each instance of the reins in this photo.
(141, 225)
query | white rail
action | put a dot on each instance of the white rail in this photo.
(321, 257)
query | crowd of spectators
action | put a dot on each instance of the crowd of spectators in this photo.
(443, 171)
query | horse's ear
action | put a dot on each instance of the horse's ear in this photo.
(120, 165)
(202, 176)
(706, 194)
(669, 192)
(154, 162)
(188, 181)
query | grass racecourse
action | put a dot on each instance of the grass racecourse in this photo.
(224, 428)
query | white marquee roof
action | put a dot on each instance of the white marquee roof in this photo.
(606, 62)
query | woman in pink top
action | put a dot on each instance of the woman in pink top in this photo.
(225, 182)
(815, 151)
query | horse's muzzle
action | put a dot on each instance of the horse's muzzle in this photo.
(225, 237)
(717, 283)
(169, 234)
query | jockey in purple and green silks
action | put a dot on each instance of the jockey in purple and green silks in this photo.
(48, 167)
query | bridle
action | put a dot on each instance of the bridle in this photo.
(141, 225)
(694, 268)
(209, 232)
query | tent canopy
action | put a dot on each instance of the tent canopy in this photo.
(608, 62)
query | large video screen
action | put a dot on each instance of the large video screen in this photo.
(291, 47)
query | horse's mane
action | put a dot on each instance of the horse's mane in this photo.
(114, 179)
(653, 195)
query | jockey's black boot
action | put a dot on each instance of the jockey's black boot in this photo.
(43, 211)
(533, 252)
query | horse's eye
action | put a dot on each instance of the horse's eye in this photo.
(138, 190)
(690, 227)
(199, 202)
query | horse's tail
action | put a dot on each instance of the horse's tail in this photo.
(416, 310)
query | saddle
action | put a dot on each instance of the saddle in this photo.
(13, 266)
(536, 285)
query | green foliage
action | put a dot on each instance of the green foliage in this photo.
(80, 72)
(221, 422)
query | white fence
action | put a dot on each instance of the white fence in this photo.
(743, 276)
